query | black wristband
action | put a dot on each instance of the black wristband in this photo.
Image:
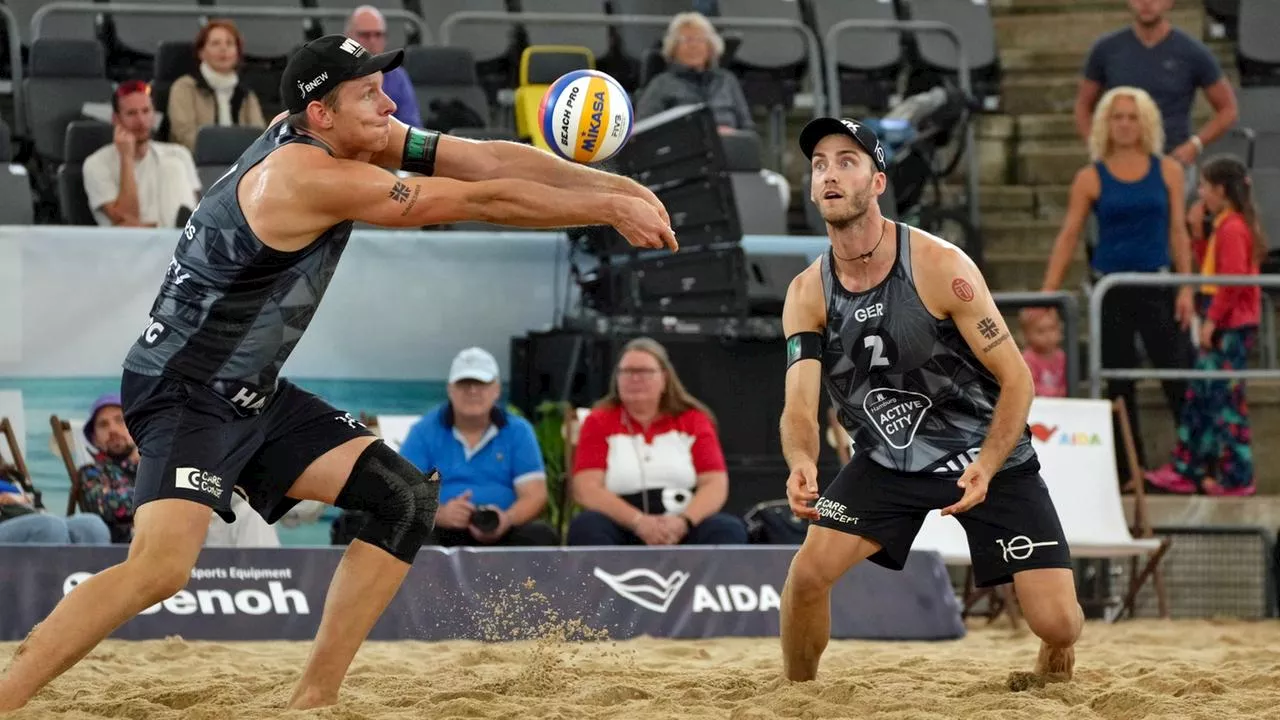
(804, 346)
(419, 154)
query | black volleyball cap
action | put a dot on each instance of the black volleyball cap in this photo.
(320, 65)
(866, 138)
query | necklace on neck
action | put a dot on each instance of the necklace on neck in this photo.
(866, 256)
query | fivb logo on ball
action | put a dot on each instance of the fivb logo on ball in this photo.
(585, 116)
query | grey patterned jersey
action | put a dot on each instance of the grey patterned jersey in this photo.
(231, 309)
(905, 384)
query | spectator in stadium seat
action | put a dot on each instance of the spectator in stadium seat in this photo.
(488, 459)
(692, 48)
(21, 523)
(1213, 453)
(1136, 194)
(648, 468)
(213, 95)
(106, 485)
(367, 26)
(1170, 65)
(135, 181)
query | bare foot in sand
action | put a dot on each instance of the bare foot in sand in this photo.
(1052, 665)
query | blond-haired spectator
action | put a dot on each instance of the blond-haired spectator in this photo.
(692, 49)
(648, 467)
(1136, 193)
(213, 95)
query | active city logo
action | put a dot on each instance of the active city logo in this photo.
(1020, 547)
(651, 591)
(276, 599)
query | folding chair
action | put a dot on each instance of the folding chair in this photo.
(15, 459)
(68, 439)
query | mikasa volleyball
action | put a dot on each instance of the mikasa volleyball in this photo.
(585, 116)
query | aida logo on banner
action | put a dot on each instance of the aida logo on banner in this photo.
(652, 591)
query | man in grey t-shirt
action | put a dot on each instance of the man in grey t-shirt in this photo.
(1170, 65)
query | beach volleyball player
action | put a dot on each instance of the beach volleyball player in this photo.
(201, 389)
(900, 328)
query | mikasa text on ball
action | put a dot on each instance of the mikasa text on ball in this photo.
(585, 116)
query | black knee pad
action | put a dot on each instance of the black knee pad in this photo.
(399, 499)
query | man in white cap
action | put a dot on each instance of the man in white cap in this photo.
(492, 481)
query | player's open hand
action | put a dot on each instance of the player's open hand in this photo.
(644, 227)
(974, 480)
(802, 491)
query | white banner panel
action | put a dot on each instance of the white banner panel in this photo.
(11, 407)
(10, 300)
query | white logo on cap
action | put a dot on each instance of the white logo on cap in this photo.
(353, 47)
(305, 88)
(879, 153)
(852, 127)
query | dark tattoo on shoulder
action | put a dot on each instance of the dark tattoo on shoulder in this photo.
(988, 328)
(399, 193)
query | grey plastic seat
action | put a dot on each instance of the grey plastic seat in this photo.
(75, 26)
(268, 38)
(760, 210)
(593, 37)
(868, 60)
(64, 75)
(486, 41)
(1238, 142)
(17, 201)
(83, 138)
(1256, 46)
(636, 40)
(143, 33)
(1266, 189)
(444, 74)
(1259, 108)
(1266, 151)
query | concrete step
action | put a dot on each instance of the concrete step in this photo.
(1010, 235)
(1049, 162)
(1079, 25)
(1015, 61)
(1042, 93)
(1047, 126)
(1025, 202)
(1013, 271)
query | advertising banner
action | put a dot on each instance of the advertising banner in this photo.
(498, 594)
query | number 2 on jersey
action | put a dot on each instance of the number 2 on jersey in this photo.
(875, 344)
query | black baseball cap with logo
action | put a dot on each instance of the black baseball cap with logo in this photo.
(866, 138)
(320, 65)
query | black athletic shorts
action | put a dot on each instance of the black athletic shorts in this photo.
(195, 446)
(1015, 528)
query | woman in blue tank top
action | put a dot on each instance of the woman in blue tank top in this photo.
(1136, 194)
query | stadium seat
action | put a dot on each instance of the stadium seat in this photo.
(593, 37)
(1257, 52)
(636, 40)
(1266, 190)
(6, 142)
(65, 25)
(742, 151)
(490, 44)
(441, 75)
(399, 32)
(1266, 151)
(1259, 108)
(1238, 141)
(173, 60)
(768, 61)
(83, 138)
(17, 202)
(541, 65)
(143, 34)
(64, 75)
(218, 148)
(972, 21)
(269, 39)
(760, 209)
(868, 60)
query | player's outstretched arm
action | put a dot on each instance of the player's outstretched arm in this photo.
(359, 191)
(954, 285)
(803, 318)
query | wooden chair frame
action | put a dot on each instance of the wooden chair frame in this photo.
(65, 444)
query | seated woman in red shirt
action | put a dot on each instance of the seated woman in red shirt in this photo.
(648, 467)
(1213, 454)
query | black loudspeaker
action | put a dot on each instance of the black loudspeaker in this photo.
(703, 212)
(672, 147)
(768, 277)
(708, 282)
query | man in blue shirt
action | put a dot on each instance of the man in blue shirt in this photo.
(492, 481)
(367, 27)
(1171, 66)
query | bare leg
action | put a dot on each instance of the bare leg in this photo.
(167, 540)
(1049, 604)
(806, 598)
(362, 587)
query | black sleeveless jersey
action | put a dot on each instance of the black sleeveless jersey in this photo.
(905, 384)
(231, 309)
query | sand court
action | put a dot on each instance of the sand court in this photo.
(1133, 669)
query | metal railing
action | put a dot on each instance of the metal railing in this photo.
(228, 11)
(1097, 374)
(593, 19)
(15, 71)
(1068, 309)
(962, 69)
